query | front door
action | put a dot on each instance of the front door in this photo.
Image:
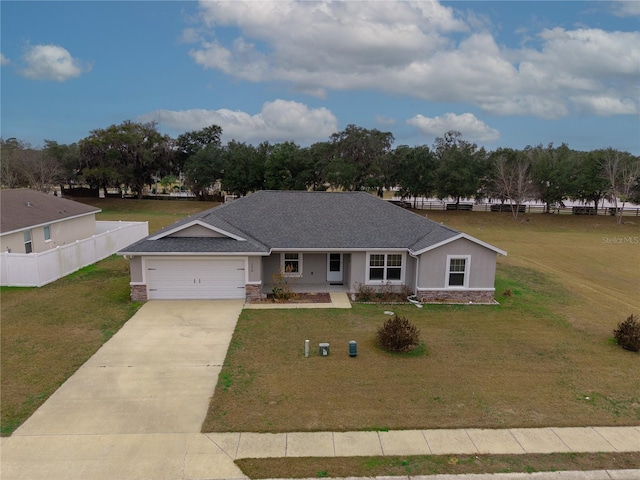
(334, 268)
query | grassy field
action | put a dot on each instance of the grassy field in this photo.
(544, 356)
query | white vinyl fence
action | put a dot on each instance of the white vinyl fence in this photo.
(38, 269)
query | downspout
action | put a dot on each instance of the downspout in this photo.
(415, 288)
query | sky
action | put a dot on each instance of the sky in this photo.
(503, 73)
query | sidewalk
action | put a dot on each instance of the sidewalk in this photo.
(338, 300)
(429, 442)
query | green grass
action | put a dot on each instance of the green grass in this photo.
(370, 467)
(519, 364)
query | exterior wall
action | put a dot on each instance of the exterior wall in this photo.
(135, 269)
(62, 233)
(433, 265)
(255, 269)
(358, 270)
(254, 293)
(410, 272)
(196, 231)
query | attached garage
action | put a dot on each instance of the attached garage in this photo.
(197, 278)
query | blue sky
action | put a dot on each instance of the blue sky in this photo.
(505, 74)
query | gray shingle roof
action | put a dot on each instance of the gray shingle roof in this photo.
(22, 208)
(305, 221)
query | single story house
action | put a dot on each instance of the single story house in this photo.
(34, 222)
(320, 241)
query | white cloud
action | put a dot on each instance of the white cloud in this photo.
(4, 60)
(626, 8)
(419, 49)
(278, 121)
(466, 123)
(51, 62)
(605, 105)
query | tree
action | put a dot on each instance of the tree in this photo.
(244, 167)
(203, 169)
(129, 153)
(622, 172)
(12, 154)
(511, 177)
(461, 166)
(287, 168)
(415, 171)
(190, 143)
(23, 166)
(552, 173)
(68, 157)
(357, 156)
(589, 184)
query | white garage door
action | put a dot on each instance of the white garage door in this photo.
(195, 279)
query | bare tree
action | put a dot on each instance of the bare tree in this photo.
(622, 171)
(512, 177)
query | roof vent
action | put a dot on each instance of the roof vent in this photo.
(28, 204)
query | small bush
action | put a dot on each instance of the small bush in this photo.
(628, 334)
(281, 290)
(398, 335)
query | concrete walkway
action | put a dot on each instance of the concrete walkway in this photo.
(429, 442)
(134, 410)
(338, 300)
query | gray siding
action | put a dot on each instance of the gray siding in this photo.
(196, 231)
(135, 266)
(433, 265)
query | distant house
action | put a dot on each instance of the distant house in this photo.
(320, 241)
(34, 222)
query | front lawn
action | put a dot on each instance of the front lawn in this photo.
(520, 364)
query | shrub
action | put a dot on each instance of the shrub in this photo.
(281, 290)
(398, 334)
(628, 334)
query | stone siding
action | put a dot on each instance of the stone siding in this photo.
(139, 293)
(456, 296)
(254, 292)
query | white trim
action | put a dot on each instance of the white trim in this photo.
(200, 223)
(458, 237)
(193, 254)
(259, 282)
(297, 274)
(467, 272)
(384, 281)
(339, 250)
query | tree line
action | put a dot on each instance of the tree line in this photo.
(134, 156)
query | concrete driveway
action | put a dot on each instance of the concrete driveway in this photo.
(134, 410)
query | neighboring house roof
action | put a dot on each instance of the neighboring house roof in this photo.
(295, 220)
(23, 208)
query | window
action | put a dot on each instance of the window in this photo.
(47, 233)
(385, 267)
(292, 264)
(457, 271)
(27, 242)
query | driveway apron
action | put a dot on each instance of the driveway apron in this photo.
(134, 409)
